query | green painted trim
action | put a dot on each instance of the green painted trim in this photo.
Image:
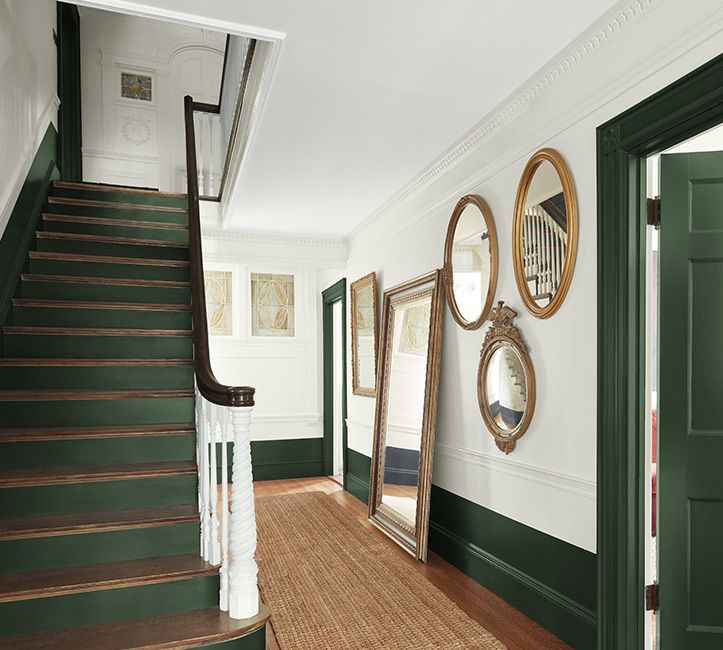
(333, 294)
(676, 113)
(254, 641)
(24, 219)
(549, 580)
(70, 126)
(284, 459)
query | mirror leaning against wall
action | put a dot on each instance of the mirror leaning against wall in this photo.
(470, 261)
(406, 411)
(544, 233)
(364, 326)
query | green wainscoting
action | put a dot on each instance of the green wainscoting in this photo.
(549, 580)
(24, 220)
(281, 459)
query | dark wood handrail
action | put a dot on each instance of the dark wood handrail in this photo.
(207, 383)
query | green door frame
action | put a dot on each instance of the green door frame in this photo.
(69, 114)
(680, 111)
(335, 293)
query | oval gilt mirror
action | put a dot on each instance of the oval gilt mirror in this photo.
(470, 261)
(505, 380)
(544, 242)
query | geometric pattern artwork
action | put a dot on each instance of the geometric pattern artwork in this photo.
(365, 308)
(415, 329)
(136, 86)
(219, 302)
(272, 304)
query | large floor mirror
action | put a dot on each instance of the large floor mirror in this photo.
(406, 411)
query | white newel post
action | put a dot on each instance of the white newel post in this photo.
(243, 593)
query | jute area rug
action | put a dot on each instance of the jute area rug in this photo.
(333, 584)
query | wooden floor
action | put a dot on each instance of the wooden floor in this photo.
(511, 627)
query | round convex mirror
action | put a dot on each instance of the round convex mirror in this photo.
(505, 380)
(545, 233)
(470, 261)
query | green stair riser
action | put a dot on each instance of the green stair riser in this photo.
(169, 410)
(106, 270)
(144, 251)
(123, 318)
(254, 641)
(121, 197)
(88, 453)
(96, 377)
(163, 234)
(93, 497)
(92, 548)
(105, 292)
(180, 218)
(25, 617)
(98, 347)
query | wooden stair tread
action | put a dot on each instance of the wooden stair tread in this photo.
(62, 395)
(91, 474)
(89, 304)
(32, 362)
(104, 239)
(90, 279)
(102, 187)
(93, 522)
(106, 259)
(179, 630)
(61, 200)
(91, 331)
(108, 221)
(19, 434)
(107, 575)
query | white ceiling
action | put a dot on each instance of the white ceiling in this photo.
(367, 94)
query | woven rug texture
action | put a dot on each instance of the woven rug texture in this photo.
(331, 583)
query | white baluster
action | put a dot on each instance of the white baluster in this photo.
(207, 162)
(214, 556)
(243, 587)
(202, 430)
(211, 155)
(198, 126)
(225, 425)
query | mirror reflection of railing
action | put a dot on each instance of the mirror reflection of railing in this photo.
(223, 415)
(545, 247)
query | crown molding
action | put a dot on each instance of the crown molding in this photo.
(272, 238)
(598, 36)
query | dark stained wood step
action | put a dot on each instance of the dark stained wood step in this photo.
(90, 279)
(97, 577)
(89, 433)
(64, 475)
(59, 200)
(30, 362)
(102, 187)
(63, 395)
(91, 331)
(105, 259)
(103, 239)
(95, 522)
(103, 221)
(178, 631)
(85, 304)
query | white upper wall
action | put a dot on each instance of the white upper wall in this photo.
(137, 142)
(549, 481)
(28, 99)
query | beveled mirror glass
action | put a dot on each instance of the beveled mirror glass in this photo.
(505, 380)
(364, 335)
(406, 411)
(545, 233)
(470, 261)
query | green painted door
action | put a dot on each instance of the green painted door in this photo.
(690, 460)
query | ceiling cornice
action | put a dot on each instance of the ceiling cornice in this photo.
(272, 238)
(599, 35)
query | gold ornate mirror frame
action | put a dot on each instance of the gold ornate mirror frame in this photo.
(412, 539)
(558, 162)
(501, 332)
(448, 271)
(356, 286)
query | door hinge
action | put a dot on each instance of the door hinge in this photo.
(653, 218)
(651, 597)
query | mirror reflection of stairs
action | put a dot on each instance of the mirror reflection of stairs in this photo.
(99, 524)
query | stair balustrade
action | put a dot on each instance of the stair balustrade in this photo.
(545, 245)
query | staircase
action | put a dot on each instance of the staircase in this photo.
(99, 495)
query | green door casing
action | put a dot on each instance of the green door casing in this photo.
(690, 412)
